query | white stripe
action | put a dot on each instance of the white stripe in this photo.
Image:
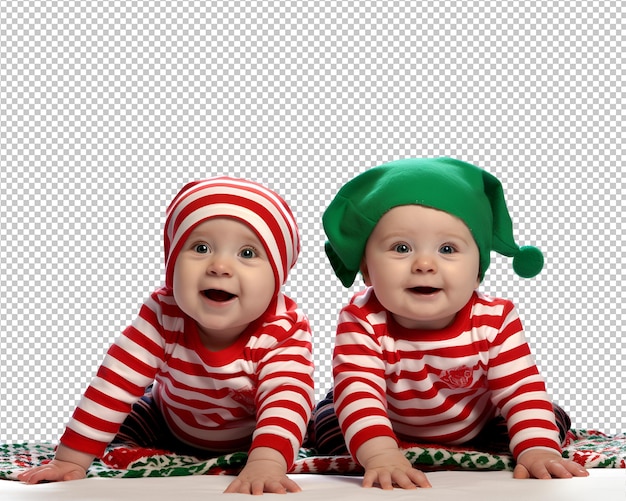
(98, 410)
(532, 434)
(88, 431)
(277, 431)
(528, 396)
(487, 309)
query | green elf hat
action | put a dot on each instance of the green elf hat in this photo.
(453, 186)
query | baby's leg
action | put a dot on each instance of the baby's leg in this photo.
(563, 422)
(327, 437)
(144, 426)
(494, 436)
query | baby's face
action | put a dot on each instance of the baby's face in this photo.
(223, 279)
(423, 264)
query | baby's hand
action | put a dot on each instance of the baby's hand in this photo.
(265, 471)
(391, 468)
(54, 471)
(545, 464)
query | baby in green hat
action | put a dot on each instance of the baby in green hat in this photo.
(420, 354)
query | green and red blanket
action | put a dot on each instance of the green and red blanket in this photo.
(590, 448)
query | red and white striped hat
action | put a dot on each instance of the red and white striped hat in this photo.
(265, 212)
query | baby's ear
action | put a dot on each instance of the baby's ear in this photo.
(364, 272)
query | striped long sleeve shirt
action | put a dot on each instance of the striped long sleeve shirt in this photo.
(257, 392)
(438, 386)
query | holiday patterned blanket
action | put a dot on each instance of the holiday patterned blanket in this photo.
(590, 448)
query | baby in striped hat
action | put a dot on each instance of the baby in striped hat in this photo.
(219, 359)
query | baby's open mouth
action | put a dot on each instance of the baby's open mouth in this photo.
(218, 295)
(424, 290)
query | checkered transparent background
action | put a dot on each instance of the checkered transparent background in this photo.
(107, 108)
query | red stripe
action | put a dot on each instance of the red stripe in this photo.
(526, 405)
(532, 423)
(513, 355)
(357, 396)
(281, 444)
(197, 369)
(145, 342)
(95, 422)
(289, 426)
(342, 384)
(105, 400)
(120, 382)
(300, 376)
(469, 430)
(351, 327)
(535, 442)
(81, 443)
(131, 361)
(533, 386)
(511, 379)
(442, 409)
(359, 414)
(511, 329)
(369, 433)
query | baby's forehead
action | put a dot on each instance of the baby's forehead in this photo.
(416, 219)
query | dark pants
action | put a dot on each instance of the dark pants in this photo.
(326, 437)
(145, 426)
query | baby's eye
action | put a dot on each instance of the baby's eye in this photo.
(401, 248)
(447, 249)
(201, 248)
(248, 253)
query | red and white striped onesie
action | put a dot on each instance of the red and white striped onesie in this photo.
(438, 386)
(258, 392)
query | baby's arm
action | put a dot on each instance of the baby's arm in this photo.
(265, 471)
(540, 463)
(68, 464)
(386, 465)
(359, 391)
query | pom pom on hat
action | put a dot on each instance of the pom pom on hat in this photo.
(453, 186)
(264, 211)
(528, 261)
